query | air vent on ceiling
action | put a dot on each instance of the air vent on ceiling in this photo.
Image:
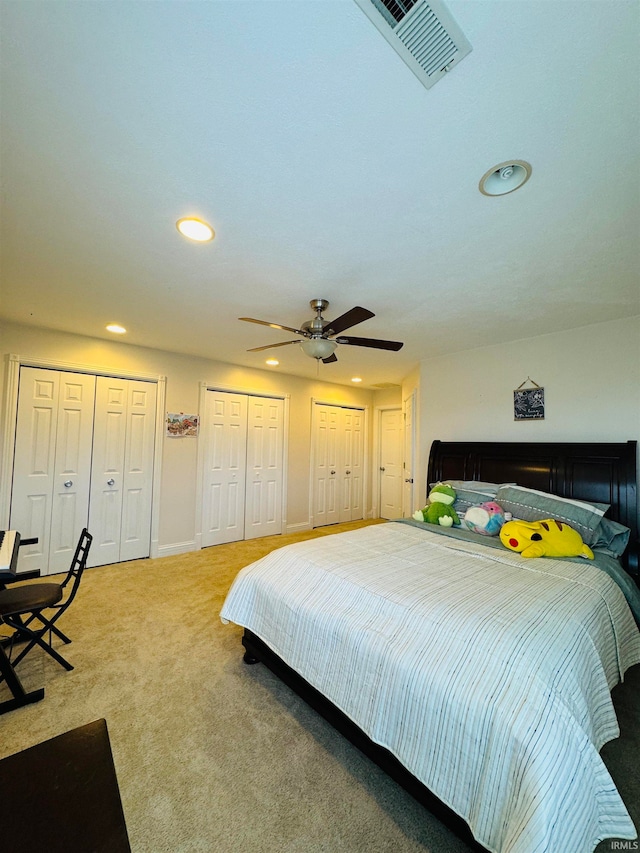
(423, 32)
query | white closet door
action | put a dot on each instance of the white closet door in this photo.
(326, 439)
(34, 464)
(83, 457)
(72, 479)
(338, 453)
(137, 480)
(391, 444)
(352, 465)
(109, 442)
(225, 468)
(265, 442)
(52, 465)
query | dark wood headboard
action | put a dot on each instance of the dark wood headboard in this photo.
(600, 472)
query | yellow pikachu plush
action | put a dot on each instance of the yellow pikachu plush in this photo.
(548, 538)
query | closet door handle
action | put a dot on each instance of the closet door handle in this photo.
(110, 482)
(68, 484)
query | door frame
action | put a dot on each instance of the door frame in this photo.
(202, 434)
(318, 401)
(377, 431)
(413, 396)
(13, 365)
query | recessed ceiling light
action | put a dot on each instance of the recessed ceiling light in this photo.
(505, 177)
(195, 229)
(273, 362)
(356, 379)
(116, 329)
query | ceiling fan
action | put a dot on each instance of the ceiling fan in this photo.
(319, 335)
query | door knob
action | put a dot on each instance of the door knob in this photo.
(409, 480)
(348, 472)
(382, 469)
(68, 484)
(333, 472)
(110, 482)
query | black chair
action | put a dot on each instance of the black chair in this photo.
(21, 606)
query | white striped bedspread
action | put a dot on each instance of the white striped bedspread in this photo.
(487, 675)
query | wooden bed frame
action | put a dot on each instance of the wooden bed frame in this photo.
(600, 472)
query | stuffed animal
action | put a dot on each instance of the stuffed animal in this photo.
(487, 518)
(547, 538)
(439, 509)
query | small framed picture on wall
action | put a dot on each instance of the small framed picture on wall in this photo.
(528, 403)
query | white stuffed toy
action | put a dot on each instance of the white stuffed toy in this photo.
(487, 518)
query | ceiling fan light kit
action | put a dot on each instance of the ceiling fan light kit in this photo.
(320, 336)
(318, 347)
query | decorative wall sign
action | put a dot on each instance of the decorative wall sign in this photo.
(528, 403)
(180, 425)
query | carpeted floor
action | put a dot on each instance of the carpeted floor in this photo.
(214, 755)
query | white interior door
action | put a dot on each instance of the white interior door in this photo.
(264, 477)
(338, 454)
(52, 465)
(34, 464)
(326, 446)
(390, 459)
(352, 465)
(122, 470)
(105, 502)
(225, 467)
(83, 458)
(72, 480)
(408, 494)
(137, 472)
(244, 467)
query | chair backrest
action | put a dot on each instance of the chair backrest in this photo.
(78, 565)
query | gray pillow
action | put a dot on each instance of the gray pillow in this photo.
(477, 486)
(472, 492)
(471, 497)
(611, 537)
(531, 505)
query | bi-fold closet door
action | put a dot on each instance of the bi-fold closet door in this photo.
(243, 467)
(338, 464)
(122, 470)
(83, 457)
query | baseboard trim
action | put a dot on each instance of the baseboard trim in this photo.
(298, 528)
(177, 548)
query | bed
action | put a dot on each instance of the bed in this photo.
(480, 681)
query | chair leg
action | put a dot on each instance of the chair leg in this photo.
(19, 694)
(59, 634)
(36, 639)
(48, 623)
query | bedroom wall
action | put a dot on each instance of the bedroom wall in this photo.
(591, 380)
(178, 521)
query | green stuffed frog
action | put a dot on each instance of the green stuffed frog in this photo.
(439, 509)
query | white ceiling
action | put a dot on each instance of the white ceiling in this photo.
(327, 170)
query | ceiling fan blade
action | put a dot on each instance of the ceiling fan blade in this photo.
(271, 346)
(374, 343)
(346, 321)
(275, 326)
(330, 358)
